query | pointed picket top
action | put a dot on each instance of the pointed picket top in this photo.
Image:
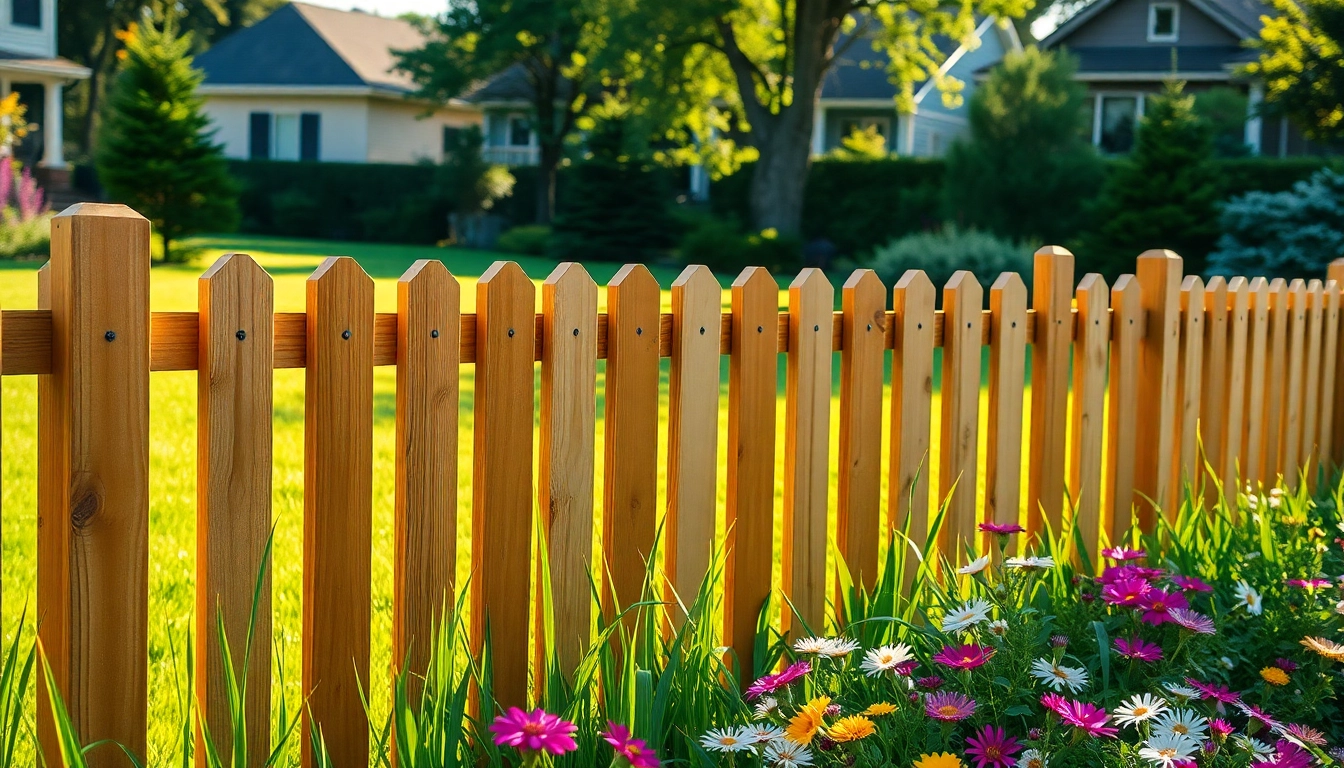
(754, 279)
(502, 273)
(430, 271)
(1215, 284)
(1093, 282)
(337, 268)
(1192, 283)
(964, 287)
(634, 277)
(865, 280)
(697, 277)
(100, 211)
(914, 284)
(810, 279)
(1009, 285)
(569, 275)
(864, 294)
(236, 266)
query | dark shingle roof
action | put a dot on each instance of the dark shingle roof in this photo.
(1157, 59)
(1240, 17)
(306, 45)
(510, 84)
(861, 72)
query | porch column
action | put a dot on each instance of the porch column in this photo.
(819, 131)
(1253, 124)
(905, 133)
(53, 154)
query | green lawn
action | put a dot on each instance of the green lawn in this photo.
(172, 459)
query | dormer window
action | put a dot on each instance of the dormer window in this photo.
(1164, 20)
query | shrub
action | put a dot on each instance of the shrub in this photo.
(1223, 109)
(942, 253)
(720, 244)
(530, 239)
(20, 238)
(1283, 234)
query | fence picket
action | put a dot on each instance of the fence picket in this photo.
(750, 514)
(1190, 375)
(1330, 381)
(1214, 387)
(501, 503)
(863, 334)
(912, 301)
(233, 494)
(1232, 463)
(1311, 386)
(1159, 276)
(1276, 389)
(1088, 436)
(1290, 444)
(1007, 380)
(963, 299)
(1051, 348)
(1127, 328)
(1253, 469)
(1336, 273)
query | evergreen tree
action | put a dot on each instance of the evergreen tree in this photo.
(1164, 195)
(155, 152)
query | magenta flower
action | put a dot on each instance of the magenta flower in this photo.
(1287, 665)
(794, 671)
(535, 731)
(1123, 554)
(990, 747)
(968, 656)
(1255, 713)
(1088, 718)
(1138, 649)
(635, 751)
(1286, 755)
(1002, 529)
(1158, 604)
(1054, 703)
(949, 706)
(905, 668)
(930, 683)
(1191, 583)
(1305, 734)
(1219, 693)
(1311, 584)
(1220, 729)
(771, 683)
(1126, 592)
(1192, 621)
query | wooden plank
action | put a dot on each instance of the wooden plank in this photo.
(859, 467)
(501, 502)
(1007, 382)
(1213, 388)
(1189, 380)
(1330, 381)
(1127, 329)
(912, 298)
(1290, 444)
(233, 498)
(1088, 435)
(337, 507)
(1159, 276)
(1052, 296)
(960, 422)
(567, 454)
(750, 513)
(1232, 462)
(1311, 386)
(424, 527)
(1257, 357)
(1336, 272)
(93, 480)
(807, 433)
(1276, 389)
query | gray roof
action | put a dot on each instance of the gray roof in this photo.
(1240, 17)
(306, 45)
(1157, 59)
(509, 84)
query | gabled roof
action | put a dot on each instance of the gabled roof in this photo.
(301, 45)
(1240, 17)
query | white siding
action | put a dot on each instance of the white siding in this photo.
(39, 42)
(344, 135)
(401, 132)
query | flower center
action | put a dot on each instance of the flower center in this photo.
(1059, 673)
(1035, 762)
(947, 710)
(1167, 752)
(534, 729)
(1180, 728)
(1140, 711)
(993, 753)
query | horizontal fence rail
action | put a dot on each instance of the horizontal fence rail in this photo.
(1133, 388)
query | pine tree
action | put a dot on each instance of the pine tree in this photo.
(155, 150)
(1164, 195)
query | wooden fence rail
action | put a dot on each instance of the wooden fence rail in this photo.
(1127, 382)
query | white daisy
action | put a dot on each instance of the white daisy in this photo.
(1339, 607)
(783, 753)
(1140, 707)
(1181, 722)
(885, 659)
(975, 566)
(1166, 749)
(1183, 691)
(998, 627)
(1030, 562)
(812, 645)
(727, 740)
(1032, 758)
(1059, 677)
(837, 647)
(971, 613)
(765, 706)
(1249, 598)
(1254, 746)
(763, 733)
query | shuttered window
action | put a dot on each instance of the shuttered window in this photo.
(26, 13)
(259, 136)
(310, 133)
(285, 137)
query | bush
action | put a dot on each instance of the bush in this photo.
(1283, 234)
(720, 244)
(25, 238)
(942, 253)
(1223, 109)
(530, 239)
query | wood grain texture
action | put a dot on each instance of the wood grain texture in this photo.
(1189, 383)
(1290, 442)
(1311, 385)
(1127, 327)
(1007, 382)
(1213, 389)
(692, 434)
(960, 423)
(424, 527)
(912, 299)
(807, 432)
(1257, 357)
(233, 497)
(750, 513)
(1159, 276)
(337, 507)
(567, 455)
(1276, 385)
(630, 451)
(501, 502)
(1052, 296)
(859, 466)
(1330, 379)
(1233, 461)
(93, 479)
(1087, 438)
(1336, 272)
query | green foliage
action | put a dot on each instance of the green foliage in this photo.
(1163, 195)
(862, 144)
(21, 239)
(1302, 65)
(942, 253)
(720, 244)
(15, 678)
(1223, 109)
(470, 184)
(530, 239)
(1283, 234)
(1026, 170)
(155, 150)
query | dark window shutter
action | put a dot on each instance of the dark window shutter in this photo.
(310, 128)
(27, 13)
(259, 136)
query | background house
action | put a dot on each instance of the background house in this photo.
(312, 83)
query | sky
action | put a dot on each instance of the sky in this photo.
(386, 7)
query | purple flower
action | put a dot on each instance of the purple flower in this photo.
(1123, 554)
(949, 706)
(1088, 718)
(968, 656)
(1220, 729)
(1217, 692)
(1158, 604)
(1138, 649)
(1287, 665)
(1286, 755)
(1255, 713)
(1059, 641)
(535, 731)
(635, 751)
(29, 196)
(1054, 703)
(930, 683)
(1191, 620)
(1191, 583)
(1128, 591)
(1305, 734)
(771, 683)
(1309, 584)
(6, 179)
(990, 747)
(1002, 529)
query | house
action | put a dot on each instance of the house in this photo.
(313, 83)
(30, 67)
(1127, 49)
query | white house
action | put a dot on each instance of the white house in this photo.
(313, 83)
(30, 67)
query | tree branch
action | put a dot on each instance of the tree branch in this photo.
(746, 73)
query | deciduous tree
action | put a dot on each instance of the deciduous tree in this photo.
(1302, 65)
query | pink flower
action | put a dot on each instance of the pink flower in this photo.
(905, 668)
(1123, 554)
(1305, 733)
(1002, 529)
(990, 746)
(1191, 583)
(1219, 728)
(1310, 584)
(535, 731)
(930, 683)
(949, 706)
(1138, 649)
(1192, 621)
(1054, 703)
(1219, 693)
(771, 683)
(794, 671)
(1126, 592)
(1158, 604)
(1286, 755)
(1255, 713)
(1088, 718)
(968, 656)
(1287, 665)
(635, 751)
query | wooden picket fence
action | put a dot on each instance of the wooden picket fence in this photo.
(1154, 363)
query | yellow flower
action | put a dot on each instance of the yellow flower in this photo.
(1327, 648)
(944, 760)
(1274, 676)
(808, 721)
(880, 708)
(851, 728)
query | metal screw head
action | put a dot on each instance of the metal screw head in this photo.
(434, 334)
(241, 335)
(816, 327)
(110, 335)
(639, 331)
(345, 334)
(510, 333)
(702, 330)
(870, 326)
(760, 329)
(576, 331)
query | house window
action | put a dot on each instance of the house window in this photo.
(859, 124)
(284, 136)
(451, 136)
(1117, 120)
(520, 132)
(1164, 21)
(26, 13)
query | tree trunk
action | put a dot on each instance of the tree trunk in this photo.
(780, 175)
(547, 163)
(88, 129)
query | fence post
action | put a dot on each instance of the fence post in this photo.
(1007, 380)
(1232, 463)
(1052, 282)
(1159, 275)
(863, 333)
(1088, 436)
(1311, 388)
(912, 302)
(1336, 273)
(963, 303)
(1290, 444)
(1253, 470)
(1190, 376)
(1215, 383)
(1276, 389)
(1331, 417)
(93, 480)
(233, 495)
(1122, 444)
